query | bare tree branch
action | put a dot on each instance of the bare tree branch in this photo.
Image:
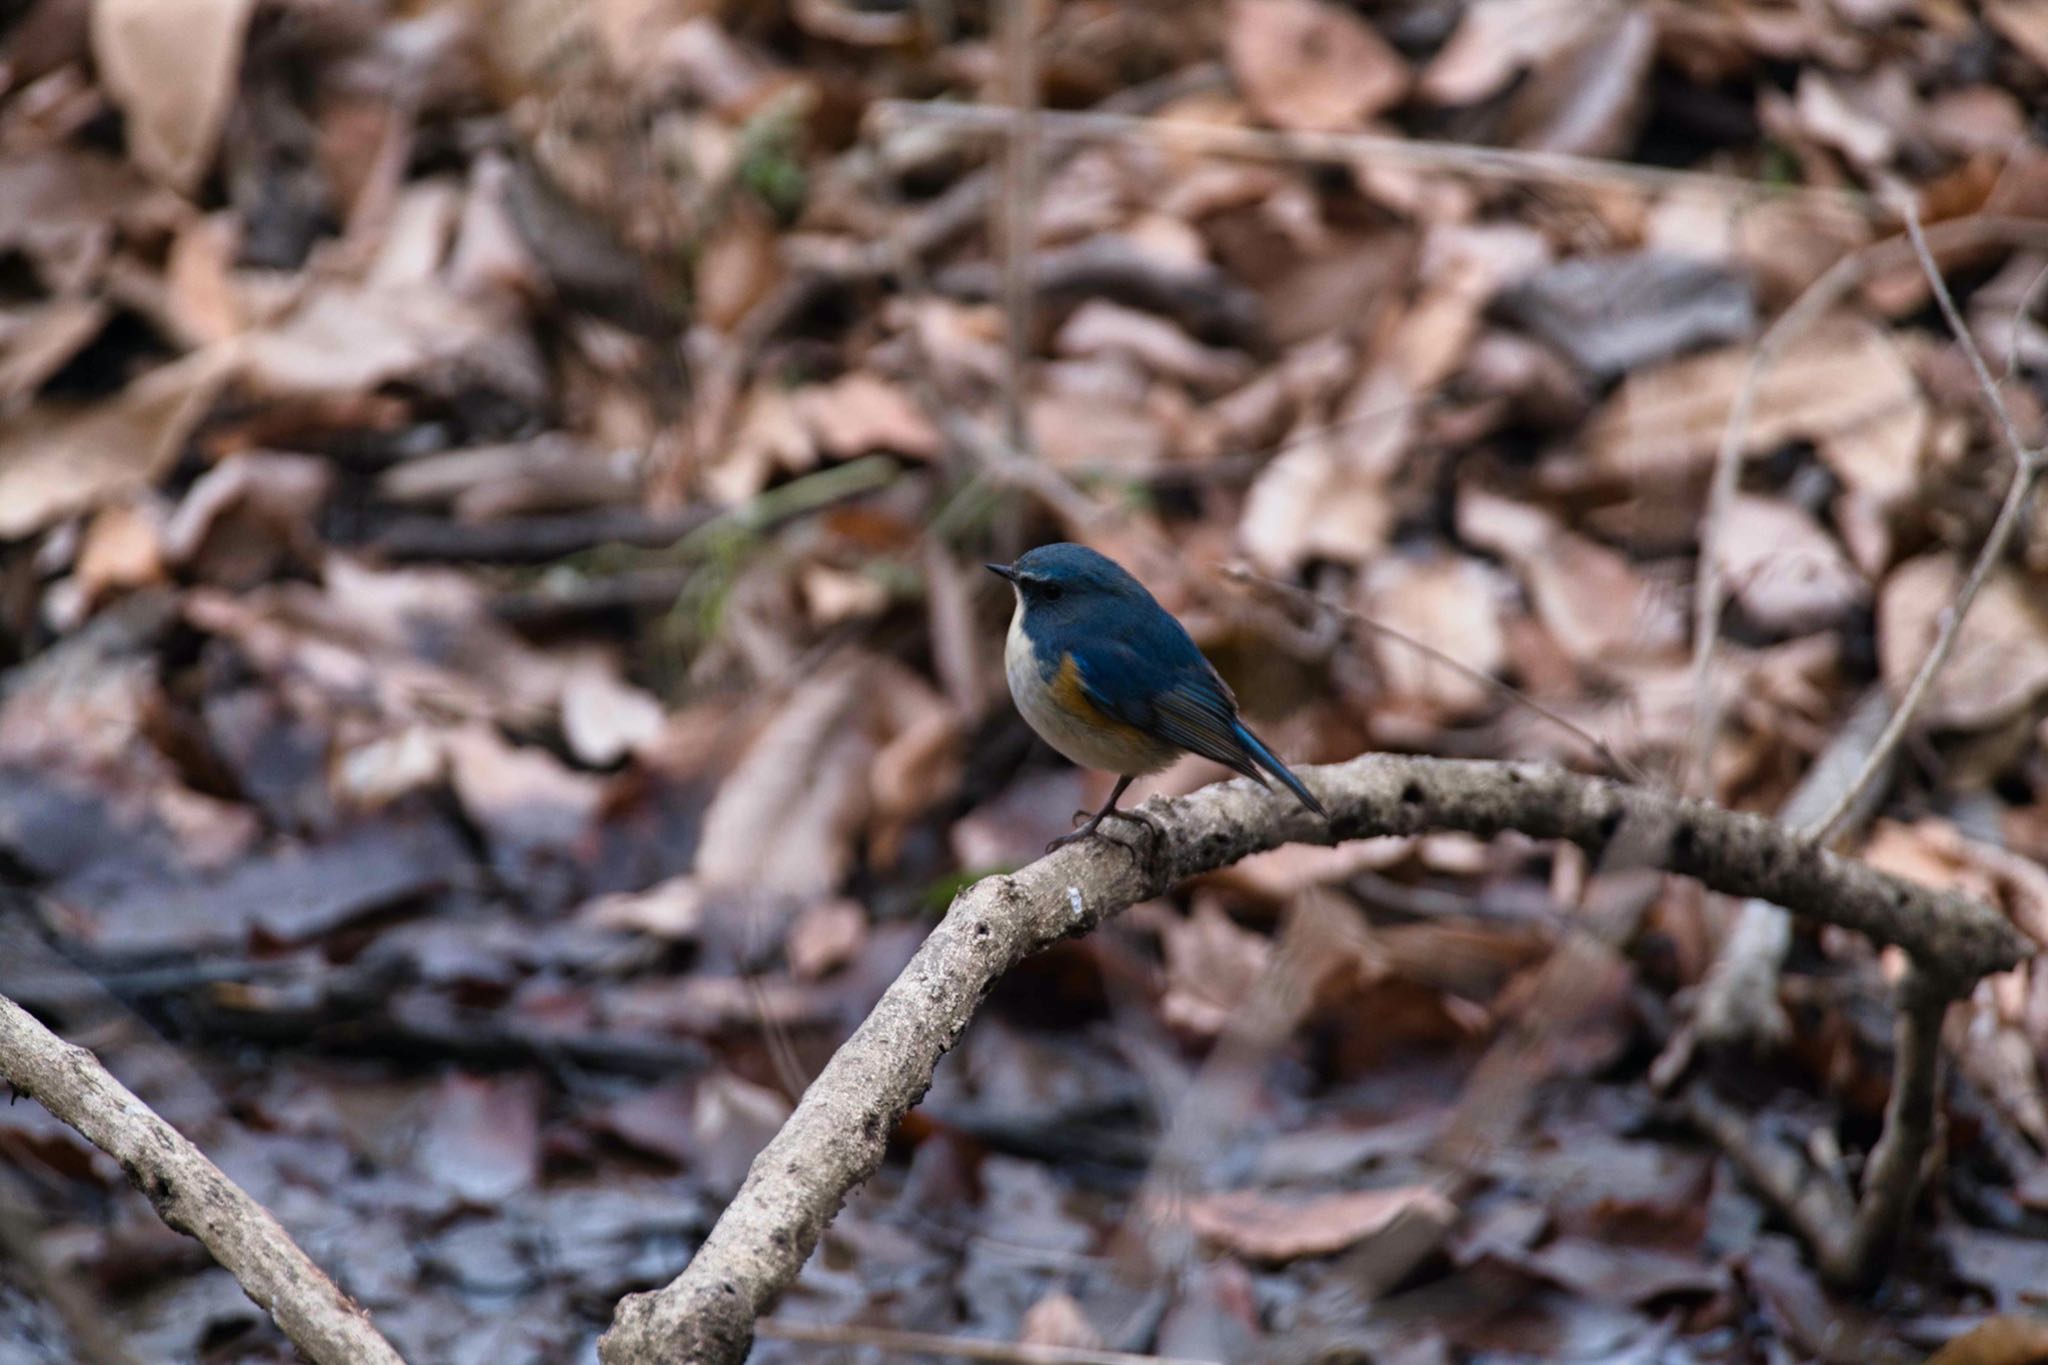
(836, 1137)
(190, 1193)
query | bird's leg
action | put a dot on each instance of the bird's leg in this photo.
(1108, 812)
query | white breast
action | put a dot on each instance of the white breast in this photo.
(1114, 749)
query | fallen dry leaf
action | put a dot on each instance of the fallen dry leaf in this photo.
(2009, 1339)
(1789, 575)
(347, 339)
(1276, 1228)
(378, 771)
(672, 910)
(1619, 313)
(1280, 874)
(2000, 661)
(1831, 117)
(604, 717)
(530, 806)
(1096, 434)
(55, 460)
(825, 937)
(1588, 98)
(173, 120)
(1596, 604)
(38, 341)
(1452, 605)
(731, 1120)
(1310, 66)
(1099, 328)
(770, 437)
(1057, 1320)
(1623, 1274)
(2024, 24)
(833, 596)
(249, 517)
(918, 758)
(863, 412)
(65, 210)
(1325, 494)
(784, 818)
(482, 1137)
(1843, 385)
(1495, 39)
(2012, 1268)
(1211, 968)
(738, 265)
(123, 548)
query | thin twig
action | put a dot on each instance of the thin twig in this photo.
(1710, 593)
(2027, 465)
(2030, 296)
(1619, 766)
(1893, 1175)
(190, 1193)
(1710, 589)
(1993, 397)
(1347, 148)
(957, 1348)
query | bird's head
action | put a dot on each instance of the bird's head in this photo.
(1060, 581)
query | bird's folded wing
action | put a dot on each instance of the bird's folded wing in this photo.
(1187, 706)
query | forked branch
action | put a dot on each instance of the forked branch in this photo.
(837, 1135)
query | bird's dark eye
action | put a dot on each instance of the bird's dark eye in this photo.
(1051, 592)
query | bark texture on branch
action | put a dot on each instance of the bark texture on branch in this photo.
(1738, 1001)
(835, 1139)
(190, 1193)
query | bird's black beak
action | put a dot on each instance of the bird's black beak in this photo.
(1002, 571)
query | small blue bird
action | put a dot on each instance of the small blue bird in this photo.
(1106, 676)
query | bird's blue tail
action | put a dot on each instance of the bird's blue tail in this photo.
(1263, 756)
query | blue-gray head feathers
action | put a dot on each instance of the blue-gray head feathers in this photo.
(1054, 579)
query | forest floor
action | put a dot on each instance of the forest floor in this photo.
(499, 674)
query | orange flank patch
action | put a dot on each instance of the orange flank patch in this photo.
(1071, 697)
